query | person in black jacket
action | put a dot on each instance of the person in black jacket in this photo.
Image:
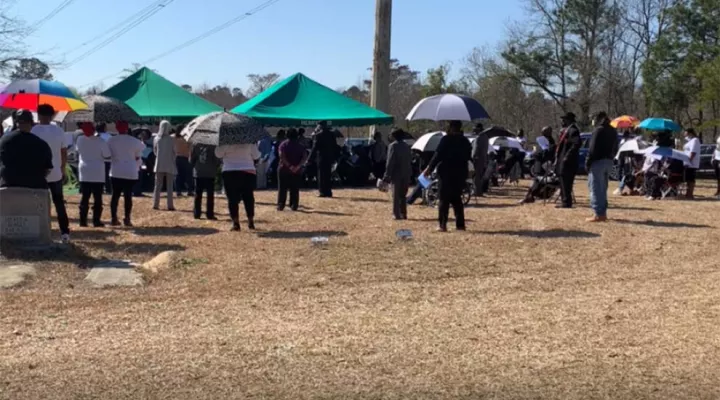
(599, 163)
(451, 159)
(324, 151)
(567, 154)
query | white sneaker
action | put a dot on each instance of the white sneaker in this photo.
(65, 238)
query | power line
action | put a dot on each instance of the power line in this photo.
(101, 45)
(198, 38)
(117, 26)
(51, 14)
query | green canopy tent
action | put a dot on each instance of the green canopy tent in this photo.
(300, 101)
(152, 96)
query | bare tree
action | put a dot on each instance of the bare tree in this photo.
(260, 82)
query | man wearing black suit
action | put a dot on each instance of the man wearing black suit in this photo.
(324, 152)
(568, 152)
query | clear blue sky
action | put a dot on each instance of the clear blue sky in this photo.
(329, 40)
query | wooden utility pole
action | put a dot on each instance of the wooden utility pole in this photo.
(380, 87)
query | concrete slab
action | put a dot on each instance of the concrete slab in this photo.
(114, 273)
(15, 275)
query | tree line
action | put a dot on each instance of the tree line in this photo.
(637, 57)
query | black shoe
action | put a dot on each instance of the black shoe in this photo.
(281, 208)
(83, 224)
(235, 228)
(459, 228)
(98, 224)
(251, 225)
(127, 222)
(442, 229)
(115, 222)
(171, 209)
(294, 208)
(562, 206)
(196, 216)
(212, 217)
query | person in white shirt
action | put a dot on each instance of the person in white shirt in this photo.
(54, 136)
(239, 179)
(92, 152)
(165, 164)
(692, 149)
(125, 153)
(716, 166)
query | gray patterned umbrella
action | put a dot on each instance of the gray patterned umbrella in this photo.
(223, 128)
(103, 109)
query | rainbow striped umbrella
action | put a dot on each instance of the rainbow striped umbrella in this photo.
(29, 94)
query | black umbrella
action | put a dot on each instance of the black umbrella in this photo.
(103, 109)
(496, 131)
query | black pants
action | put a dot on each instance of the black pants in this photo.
(56, 192)
(325, 178)
(206, 185)
(378, 169)
(288, 182)
(567, 179)
(451, 195)
(400, 189)
(239, 185)
(86, 190)
(184, 178)
(121, 187)
(108, 182)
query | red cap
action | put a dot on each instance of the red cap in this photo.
(122, 126)
(88, 128)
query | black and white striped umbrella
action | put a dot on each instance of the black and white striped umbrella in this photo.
(103, 109)
(223, 128)
(448, 107)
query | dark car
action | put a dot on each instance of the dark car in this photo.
(585, 144)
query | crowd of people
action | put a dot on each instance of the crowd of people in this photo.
(35, 155)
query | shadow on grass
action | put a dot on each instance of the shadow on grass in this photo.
(546, 234)
(661, 224)
(136, 248)
(54, 253)
(616, 207)
(299, 235)
(93, 234)
(173, 231)
(486, 205)
(321, 212)
(434, 219)
(366, 200)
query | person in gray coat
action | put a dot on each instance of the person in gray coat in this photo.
(165, 166)
(480, 158)
(398, 172)
(205, 167)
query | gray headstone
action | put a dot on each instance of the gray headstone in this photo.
(14, 275)
(25, 216)
(114, 273)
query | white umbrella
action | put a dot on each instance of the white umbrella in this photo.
(507, 142)
(666, 152)
(59, 117)
(448, 107)
(428, 141)
(635, 145)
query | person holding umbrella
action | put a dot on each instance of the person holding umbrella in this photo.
(480, 158)
(566, 160)
(451, 160)
(692, 149)
(239, 179)
(54, 136)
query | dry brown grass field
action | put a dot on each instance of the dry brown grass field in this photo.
(530, 303)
